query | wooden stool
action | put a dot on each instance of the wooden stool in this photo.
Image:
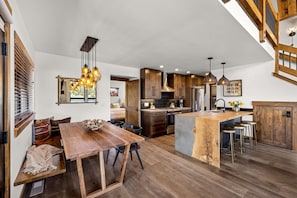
(231, 132)
(241, 130)
(248, 132)
(253, 124)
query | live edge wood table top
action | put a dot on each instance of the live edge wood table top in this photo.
(80, 142)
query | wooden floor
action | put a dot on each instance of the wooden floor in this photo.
(263, 171)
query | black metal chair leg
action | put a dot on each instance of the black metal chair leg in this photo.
(131, 155)
(139, 158)
(116, 157)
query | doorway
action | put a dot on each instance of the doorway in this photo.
(124, 98)
(2, 146)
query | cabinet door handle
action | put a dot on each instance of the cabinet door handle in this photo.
(288, 114)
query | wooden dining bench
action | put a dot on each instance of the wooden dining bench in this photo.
(58, 161)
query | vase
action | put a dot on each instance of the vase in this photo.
(237, 109)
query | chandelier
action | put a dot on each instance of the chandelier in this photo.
(90, 73)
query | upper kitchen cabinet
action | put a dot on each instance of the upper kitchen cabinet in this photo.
(177, 82)
(192, 80)
(150, 83)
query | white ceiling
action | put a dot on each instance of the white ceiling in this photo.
(143, 33)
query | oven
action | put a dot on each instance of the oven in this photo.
(171, 120)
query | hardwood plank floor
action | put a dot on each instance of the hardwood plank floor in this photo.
(263, 171)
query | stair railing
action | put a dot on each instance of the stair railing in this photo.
(264, 16)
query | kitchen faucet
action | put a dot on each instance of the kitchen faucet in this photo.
(223, 101)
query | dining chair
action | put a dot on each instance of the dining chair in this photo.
(119, 124)
(134, 146)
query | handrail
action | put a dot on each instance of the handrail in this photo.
(258, 16)
(285, 56)
(287, 59)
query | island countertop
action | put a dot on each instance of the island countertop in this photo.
(219, 116)
(206, 145)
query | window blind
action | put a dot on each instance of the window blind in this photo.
(23, 89)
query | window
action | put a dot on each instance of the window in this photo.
(69, 94)
(83, 95)
(23, 96)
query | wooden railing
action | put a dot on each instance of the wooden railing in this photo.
(263, 14)
(286, 62)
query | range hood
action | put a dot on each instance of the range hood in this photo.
(165, 87)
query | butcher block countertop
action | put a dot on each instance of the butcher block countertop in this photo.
(206, 146)
(217, 115)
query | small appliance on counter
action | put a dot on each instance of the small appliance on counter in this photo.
(152, 106)
(181, 103)
(172, 105)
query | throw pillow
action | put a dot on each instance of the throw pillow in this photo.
(42, 132)
(57, 122)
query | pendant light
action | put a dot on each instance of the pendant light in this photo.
(210, 78)
(89, 75)
(224, 80)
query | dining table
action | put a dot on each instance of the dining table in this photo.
(80, 142)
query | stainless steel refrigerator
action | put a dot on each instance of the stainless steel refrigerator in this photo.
(197, 98)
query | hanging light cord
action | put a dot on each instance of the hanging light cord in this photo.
(223, 68)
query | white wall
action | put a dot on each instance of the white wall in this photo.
(49, 66)
(258, 84)
(122, 92)
(20, 144)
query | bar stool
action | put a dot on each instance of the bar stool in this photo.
(248, 132)
(231, 132)
(241, 131)
(253, 124)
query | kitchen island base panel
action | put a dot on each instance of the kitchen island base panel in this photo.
(207, 141)
(207, 138)
(184, 134)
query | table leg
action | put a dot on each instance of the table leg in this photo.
(81, 177)
(102, 170)
(124, 164)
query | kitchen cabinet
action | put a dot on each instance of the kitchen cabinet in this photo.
(177, 82)
(150, 83)
(191, 80)
(153, 123)
(186, 110)
(276, 123)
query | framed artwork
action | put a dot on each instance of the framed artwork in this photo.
(114, 91)
(234, 89)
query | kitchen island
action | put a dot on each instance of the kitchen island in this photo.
(197, 134)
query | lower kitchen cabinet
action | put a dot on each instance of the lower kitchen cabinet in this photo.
(276, 123)
(153, 123)
(186, 110)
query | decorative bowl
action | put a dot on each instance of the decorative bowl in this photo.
(93, 124)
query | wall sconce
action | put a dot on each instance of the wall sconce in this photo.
(292, 32)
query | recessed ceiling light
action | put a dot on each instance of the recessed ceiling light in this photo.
(176, 69)
(161, 66)
(188, 72)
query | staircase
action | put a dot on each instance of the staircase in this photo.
(266, 19)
